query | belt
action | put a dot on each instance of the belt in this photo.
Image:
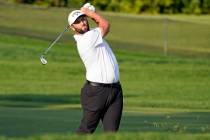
(95, 84)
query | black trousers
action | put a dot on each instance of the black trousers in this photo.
(103, 103)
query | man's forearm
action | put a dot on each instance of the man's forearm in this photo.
(100, 21)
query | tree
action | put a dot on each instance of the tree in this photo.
(165, 6)
(134, 6)
(205, 4)
(192, 7)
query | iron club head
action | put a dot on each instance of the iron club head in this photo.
(43, 60)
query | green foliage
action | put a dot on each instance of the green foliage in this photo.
(113, 6)
(192, 6)
(58, 3)
(206, 6)
(134, 6)
(165, 6)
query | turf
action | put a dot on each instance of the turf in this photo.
(165, 97)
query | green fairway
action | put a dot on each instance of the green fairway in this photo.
(165, 97)
(29, 121)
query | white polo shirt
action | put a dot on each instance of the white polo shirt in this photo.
(98, 58)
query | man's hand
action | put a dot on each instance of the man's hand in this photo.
(86, 11)
(89, 6)
(102, 23)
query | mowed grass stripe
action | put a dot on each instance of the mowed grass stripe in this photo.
(156, 81)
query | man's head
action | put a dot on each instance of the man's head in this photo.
(78, 22)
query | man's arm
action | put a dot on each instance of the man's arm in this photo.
(102, 23)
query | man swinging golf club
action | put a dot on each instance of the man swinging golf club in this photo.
(101, 95)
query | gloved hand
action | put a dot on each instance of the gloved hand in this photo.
(89, 6)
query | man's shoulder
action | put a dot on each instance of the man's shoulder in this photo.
(93, 30)
(89, 34)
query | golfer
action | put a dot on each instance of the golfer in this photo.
(101, 95)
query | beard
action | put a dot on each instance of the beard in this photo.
(82, 31)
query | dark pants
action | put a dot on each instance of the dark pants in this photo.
(103, 103)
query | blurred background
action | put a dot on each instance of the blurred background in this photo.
(131, 6)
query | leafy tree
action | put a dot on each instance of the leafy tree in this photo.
(133, 6)
(177, 6)
(164, 6)
(114, 5)
(102, 4)
(192, 6)
(205, 4)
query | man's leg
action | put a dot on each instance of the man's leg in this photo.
(92, 100)
(112, 116)
(89, 122)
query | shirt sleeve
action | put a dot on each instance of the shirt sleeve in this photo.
(93, 37)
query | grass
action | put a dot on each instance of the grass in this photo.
(29, 121)
(165, 97)
(127, 136)
(159, 81)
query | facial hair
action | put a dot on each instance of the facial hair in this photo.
(80, 31)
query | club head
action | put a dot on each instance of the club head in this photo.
(43, 60)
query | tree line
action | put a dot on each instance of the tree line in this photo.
(134, 6)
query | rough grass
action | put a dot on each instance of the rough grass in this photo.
(127, 136)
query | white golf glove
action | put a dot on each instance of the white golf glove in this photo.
(89, 6)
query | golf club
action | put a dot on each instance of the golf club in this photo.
(42, 57)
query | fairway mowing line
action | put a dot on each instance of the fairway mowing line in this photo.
(134, 16)
(188, 21)
(26, 118)
(61, 106)
(156, 17)
(151, 110)
(43, 107)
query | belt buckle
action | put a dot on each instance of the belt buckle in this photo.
(94, 84)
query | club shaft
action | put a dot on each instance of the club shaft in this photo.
(45, 52)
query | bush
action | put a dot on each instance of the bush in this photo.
(133, 6)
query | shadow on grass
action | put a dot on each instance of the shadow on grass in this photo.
(32, 100)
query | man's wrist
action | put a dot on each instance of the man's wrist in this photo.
(89, 13)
